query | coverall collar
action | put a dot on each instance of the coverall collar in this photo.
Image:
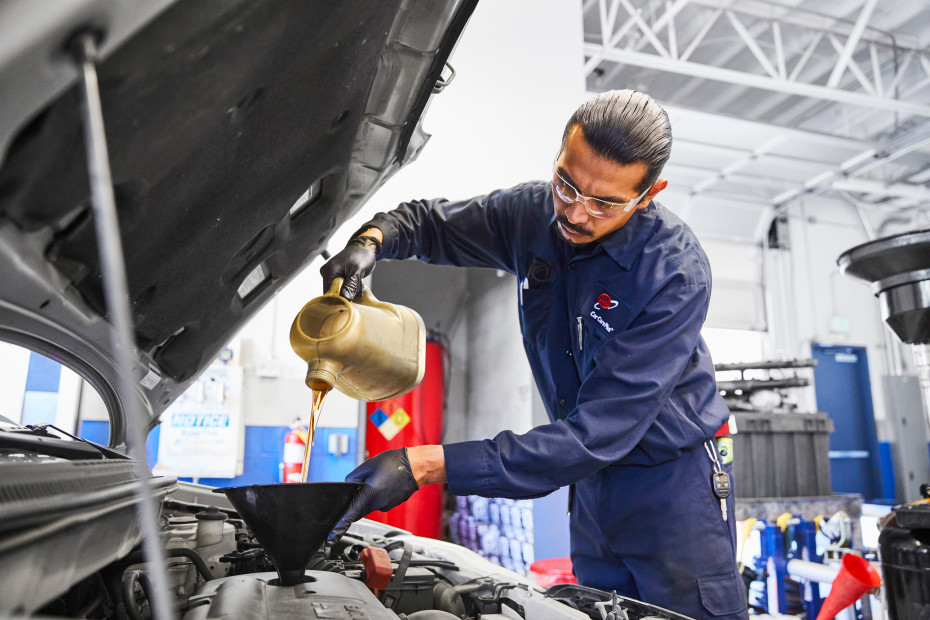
(625, 244)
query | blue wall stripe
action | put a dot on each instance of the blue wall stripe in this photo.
(44, 375)
(887, 472)
(98, 431)
(263, 453)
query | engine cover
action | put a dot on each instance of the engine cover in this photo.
(247, 597)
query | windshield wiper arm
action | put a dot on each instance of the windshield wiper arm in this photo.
(42, 430)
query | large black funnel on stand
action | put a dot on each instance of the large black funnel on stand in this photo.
(899, 269)
(291, 521)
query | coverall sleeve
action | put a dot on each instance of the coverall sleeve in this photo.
(634, 374)
(471, 233)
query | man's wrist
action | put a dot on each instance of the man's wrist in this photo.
(374, 232)
(427, 464)
(368, 241)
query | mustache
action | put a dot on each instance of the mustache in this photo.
(561, 219)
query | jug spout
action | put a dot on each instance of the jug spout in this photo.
(322, 374)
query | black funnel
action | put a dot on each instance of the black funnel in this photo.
(291, 521)
(899, 269)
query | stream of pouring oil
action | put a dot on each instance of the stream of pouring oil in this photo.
(318, 396)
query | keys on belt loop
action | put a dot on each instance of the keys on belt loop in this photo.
(719, 479)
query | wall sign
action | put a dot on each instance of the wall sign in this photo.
(201, 432)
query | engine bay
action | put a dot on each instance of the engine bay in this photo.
(217, 569)
(71, 547)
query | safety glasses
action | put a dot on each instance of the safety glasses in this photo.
(594, 206)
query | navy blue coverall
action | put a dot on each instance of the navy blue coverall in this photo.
(612, 333)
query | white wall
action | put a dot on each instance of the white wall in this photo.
(815, 291)
(14, 366)
(500, 382)
(737, 298)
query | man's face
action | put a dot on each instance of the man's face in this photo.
(592, 175)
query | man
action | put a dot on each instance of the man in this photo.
(613, 291)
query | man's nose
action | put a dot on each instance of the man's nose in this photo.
(576, 213)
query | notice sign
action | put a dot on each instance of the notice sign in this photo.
(201, 433)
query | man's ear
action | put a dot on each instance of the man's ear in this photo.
(657, 187)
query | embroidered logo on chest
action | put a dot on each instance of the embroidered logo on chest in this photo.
(604, 302)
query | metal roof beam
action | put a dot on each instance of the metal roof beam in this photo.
(610, 38)
(848, 170)
(742, 78)
(832, 25)
(908, 191)
(851, 43)
(739, 178)
(857, 118)
(732, 168)
(645, 29)
(750, 42)
(781, 160)
(877, 50)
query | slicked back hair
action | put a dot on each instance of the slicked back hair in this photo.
(626, 126)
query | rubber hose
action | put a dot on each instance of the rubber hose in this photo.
(446, 598)
(319, 562)
(129, 592)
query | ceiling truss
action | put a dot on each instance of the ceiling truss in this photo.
(663, 46)
(841, 86)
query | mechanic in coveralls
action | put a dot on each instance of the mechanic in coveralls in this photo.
(613, 291)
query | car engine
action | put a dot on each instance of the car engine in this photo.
(216, 569)
(70, 548)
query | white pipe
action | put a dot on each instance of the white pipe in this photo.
(812, 571)
(815, 571)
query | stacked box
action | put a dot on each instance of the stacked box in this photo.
(779, 455)
(500, 530)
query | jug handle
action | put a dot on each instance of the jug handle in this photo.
(368, 298)
(335, 286)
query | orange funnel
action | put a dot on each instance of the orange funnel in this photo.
(856, 577)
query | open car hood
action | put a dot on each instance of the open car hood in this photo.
(241, 135)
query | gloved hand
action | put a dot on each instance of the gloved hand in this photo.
(353, 263)
(388, 482)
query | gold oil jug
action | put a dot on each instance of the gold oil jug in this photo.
(369, 349)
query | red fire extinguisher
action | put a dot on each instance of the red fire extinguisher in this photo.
(295, 444)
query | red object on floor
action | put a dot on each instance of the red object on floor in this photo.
(549, 572)
(856, 577)
(412, 419)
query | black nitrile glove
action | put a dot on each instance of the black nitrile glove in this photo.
(353, 263)
(389, 482)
